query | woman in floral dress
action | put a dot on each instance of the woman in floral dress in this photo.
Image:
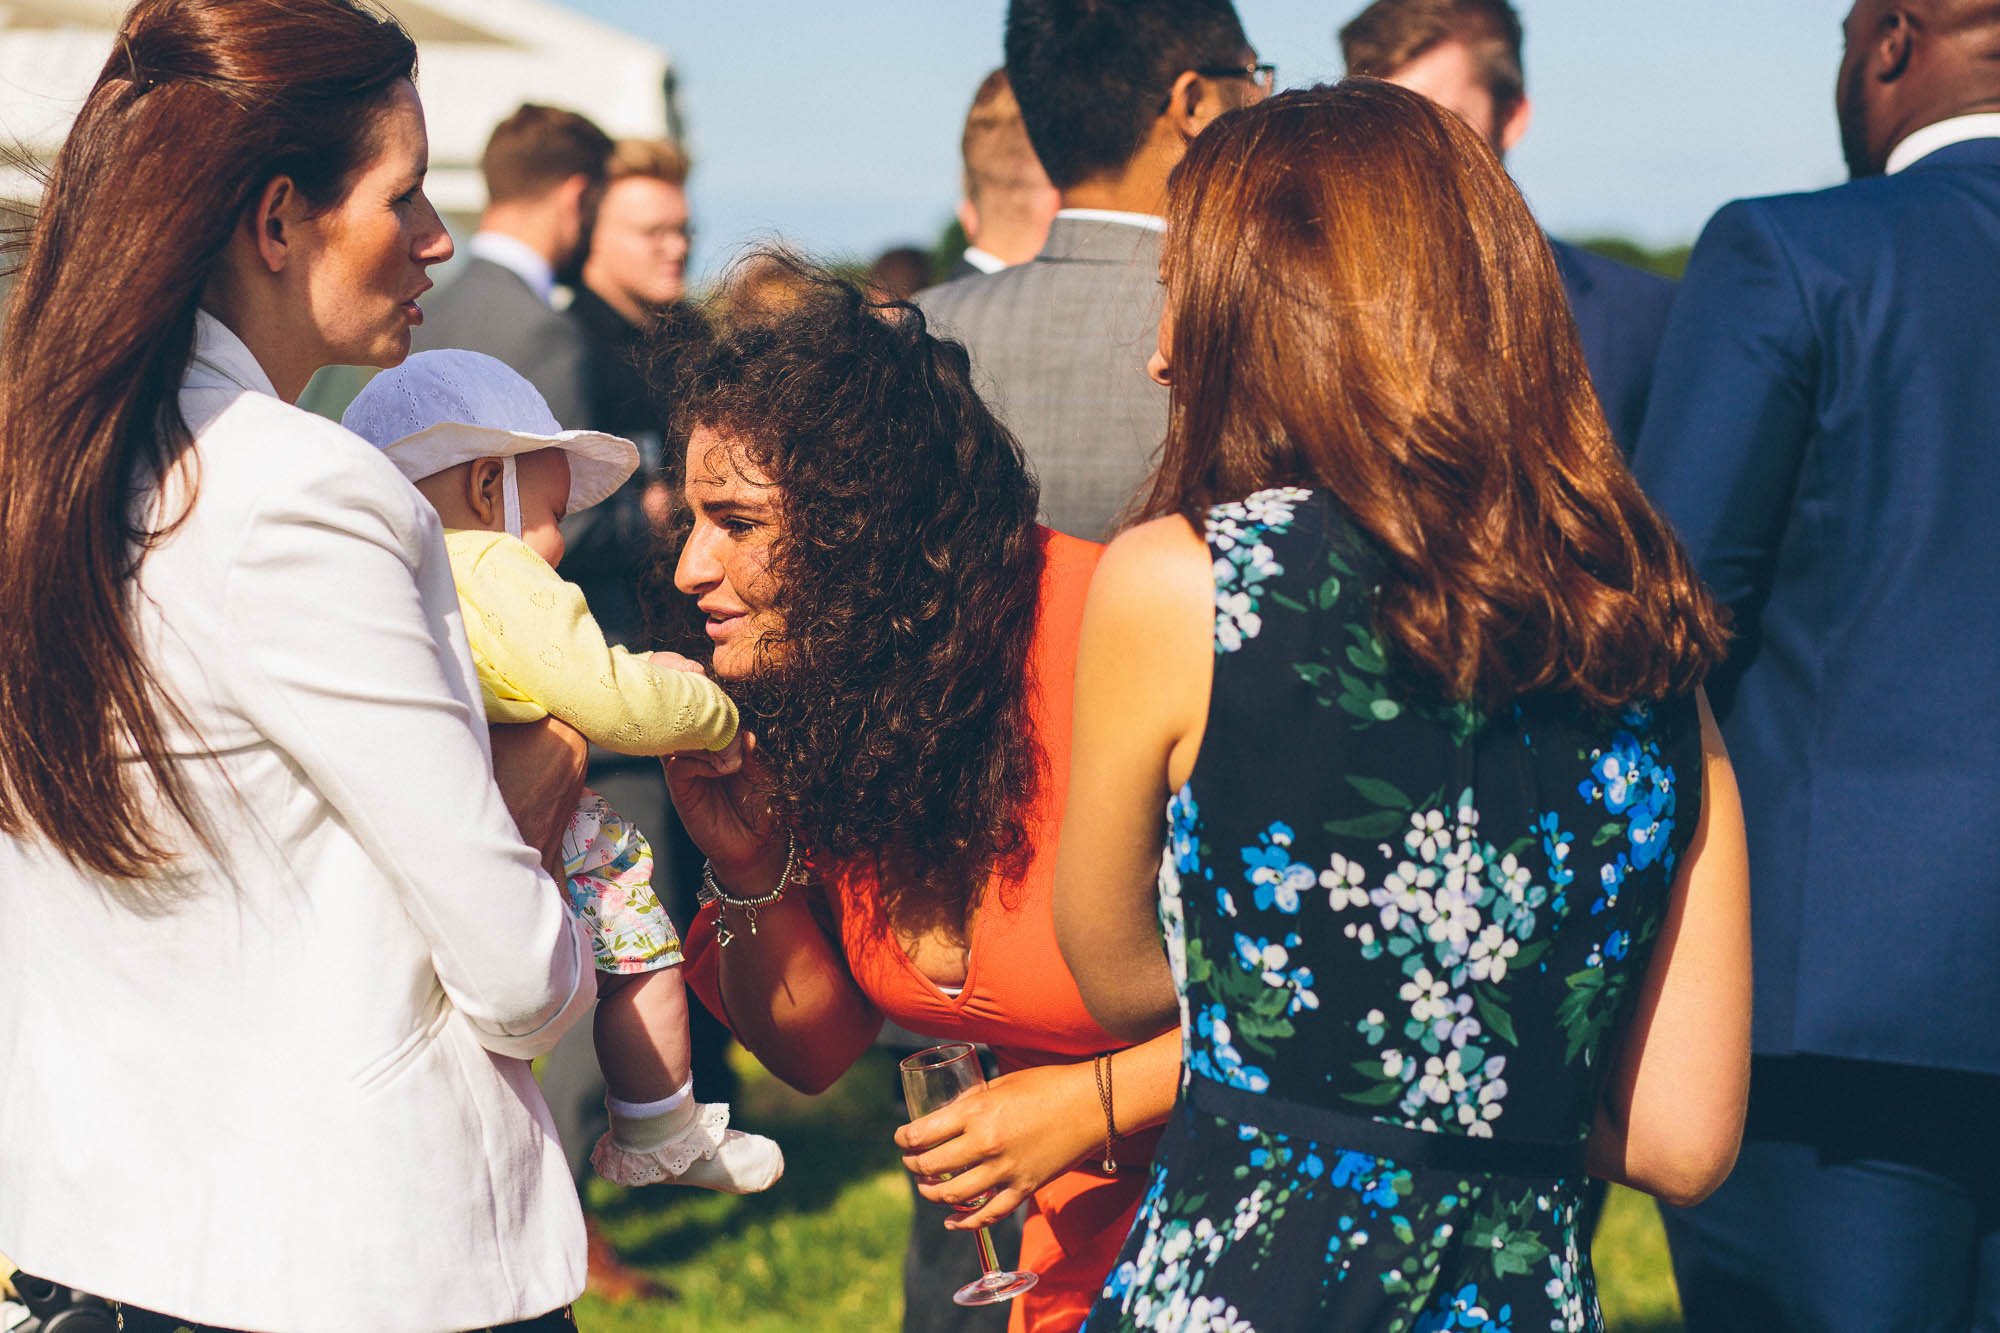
(1451, 875)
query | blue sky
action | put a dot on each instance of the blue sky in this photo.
(836, 125)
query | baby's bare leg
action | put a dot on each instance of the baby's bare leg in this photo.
(659, 1132)
(641, 1032)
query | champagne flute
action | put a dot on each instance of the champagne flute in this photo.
(935, 1077)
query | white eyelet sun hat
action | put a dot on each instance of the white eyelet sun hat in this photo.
(442, 408)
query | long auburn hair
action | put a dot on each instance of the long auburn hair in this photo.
(200, 105)
(1361, 302)
(892, 705)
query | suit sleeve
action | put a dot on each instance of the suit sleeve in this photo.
(1731, 410)
(339, 663)
(543, 639)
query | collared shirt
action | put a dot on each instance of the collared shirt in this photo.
(1942, 134)
(518, 258)
(984, 260)
(1150, 221)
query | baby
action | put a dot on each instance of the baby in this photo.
(483, 448)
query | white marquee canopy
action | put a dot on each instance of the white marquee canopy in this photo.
(477, 61)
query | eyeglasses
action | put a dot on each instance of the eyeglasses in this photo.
(1264, 76)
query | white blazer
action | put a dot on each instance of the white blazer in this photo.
(294, 1095)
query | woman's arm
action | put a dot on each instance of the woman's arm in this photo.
(1143, 674)
(338, 608)
(1672, 1116)
(1023, 1129)
(540, 768)
(785, 990)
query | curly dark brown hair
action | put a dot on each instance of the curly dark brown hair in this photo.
(893, 704)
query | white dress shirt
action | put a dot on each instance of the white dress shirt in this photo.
(1145, 221)
(289, 1091)
(1941, 134)
(984, 260)
(519, 258)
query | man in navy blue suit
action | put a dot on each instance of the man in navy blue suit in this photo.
(1825, 434)
(1465, 55)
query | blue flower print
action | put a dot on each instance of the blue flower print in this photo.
(1460, 1310)
(1269, 961)
(1611, 880)
(1628, 780)
(1221, 1060)
(1615, 774)
(1371, 1177)
(1277, 878)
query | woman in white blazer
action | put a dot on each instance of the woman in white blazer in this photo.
(272, 952)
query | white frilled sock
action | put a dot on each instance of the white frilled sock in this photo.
(681, 1141)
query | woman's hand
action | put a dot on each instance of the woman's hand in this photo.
(1002, 1142)
(721, 797)
(539, 766)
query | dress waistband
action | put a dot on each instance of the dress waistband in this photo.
(1406, 1147)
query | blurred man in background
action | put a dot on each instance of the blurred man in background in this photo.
(540, 164)
(1465, 55)
(1822, 435)
(1111, 92)
(899, 273)
(1008, 203)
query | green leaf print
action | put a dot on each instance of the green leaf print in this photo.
(1377, 792)
(1327, 595)
(1260, 1030)
(1529, 955)
(1585, 1014)
(1379, 1095)
(1510, 1239)
(1280, 599)
(1314, 674)
(1605, 834)
(1366, 650)
(1494, 1014)
(1380, 824)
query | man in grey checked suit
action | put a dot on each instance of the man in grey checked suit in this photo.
(1111, 92)
(540, 165)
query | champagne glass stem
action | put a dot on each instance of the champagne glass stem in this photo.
(989, 1261)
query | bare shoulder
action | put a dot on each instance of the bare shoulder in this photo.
(1159, 568)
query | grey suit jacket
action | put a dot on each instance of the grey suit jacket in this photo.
(488, 308)
(1059, 349)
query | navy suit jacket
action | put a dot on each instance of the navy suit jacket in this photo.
(1620, 313)
(1825, 434)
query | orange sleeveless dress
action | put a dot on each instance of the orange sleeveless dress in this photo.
(1018, 996)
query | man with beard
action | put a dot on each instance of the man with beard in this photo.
(540, 165)
(1465, 55)
(1822, 433)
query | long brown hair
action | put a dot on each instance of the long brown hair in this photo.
(893, 703)
(1360, 301)
(200, 105)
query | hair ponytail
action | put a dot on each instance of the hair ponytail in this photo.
(200, 104)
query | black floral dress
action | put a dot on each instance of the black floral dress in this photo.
(1407, 939)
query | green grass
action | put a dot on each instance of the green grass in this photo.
(822, 1251)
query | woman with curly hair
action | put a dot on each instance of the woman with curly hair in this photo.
(901, 634)
(1390, 715)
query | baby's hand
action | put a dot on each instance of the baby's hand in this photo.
(675, 662)
(730, 757)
